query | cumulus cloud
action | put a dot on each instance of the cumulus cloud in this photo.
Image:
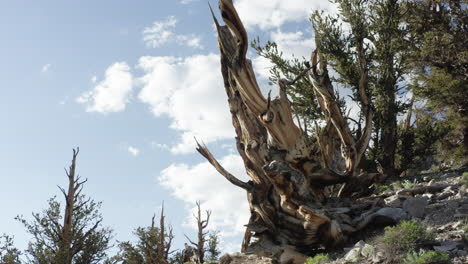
(203, 183)
(262, 67)
(292, 44)
(190, 91)
(111, 94)
(134, 151)
(162, 32)
(297, 43)
(275, 13)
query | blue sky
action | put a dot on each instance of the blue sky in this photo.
(131, 83)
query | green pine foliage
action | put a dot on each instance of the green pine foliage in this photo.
(404, 237)
(90, 240)
(144, 251)
(318, 259)
(439, 59)
(213, 246)
(8, 253)
(426, 257)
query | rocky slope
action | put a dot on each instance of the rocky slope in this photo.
(438, 200)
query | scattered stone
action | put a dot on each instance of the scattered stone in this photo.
(448, 246)
(367, 251)
(360, 250)
(415, 206)
(378, 257)
(461, 253)
(291, 256)
(389, 215)
(452, 204)
(353, 255)
(238, 258)
(444, 195)
(393, 201)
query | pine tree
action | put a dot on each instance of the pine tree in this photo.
(152, 247)
(81, 239)
(439, 41)
(9, 254)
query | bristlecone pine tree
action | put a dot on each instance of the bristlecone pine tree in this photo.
(80, 239)
(152, 247)
(305, 191)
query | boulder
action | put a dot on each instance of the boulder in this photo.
(415, 206)
(393, 201)
(448, 246)
(389, 215)
(360, 251)
(238, 258)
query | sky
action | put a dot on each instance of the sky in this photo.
(131, 83)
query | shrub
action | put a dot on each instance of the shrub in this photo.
(407, 184)
(318, 259)
(464, 179)
(383, 188)
(426, 257)
(404, 237)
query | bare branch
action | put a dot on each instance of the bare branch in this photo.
(203, 150)
(191, 242)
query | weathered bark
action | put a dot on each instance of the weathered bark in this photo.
(68, 218)
(292, 178)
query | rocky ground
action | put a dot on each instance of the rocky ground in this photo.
(439, 200)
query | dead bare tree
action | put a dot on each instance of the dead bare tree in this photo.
(299, 198)
(201, 225)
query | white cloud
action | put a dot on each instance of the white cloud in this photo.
(262, 67)
(134, 151)
(111, 94)
(94, 79)
(294, 43)
(190, 41)
(162, 33)
(190, 91)
(203, 183)
(46, 67)
(274, 13)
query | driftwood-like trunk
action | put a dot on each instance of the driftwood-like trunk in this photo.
(295, 194)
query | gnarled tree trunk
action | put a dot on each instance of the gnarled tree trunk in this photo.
(296, 198)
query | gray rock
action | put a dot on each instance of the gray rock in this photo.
(452, 204)
(393, 214)
(354, 255)
(367, 251)
(359, 251)
(444, 195)
(378, 257)
(238, 258)
(415, 206)
(448, 246)
(393, 201)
